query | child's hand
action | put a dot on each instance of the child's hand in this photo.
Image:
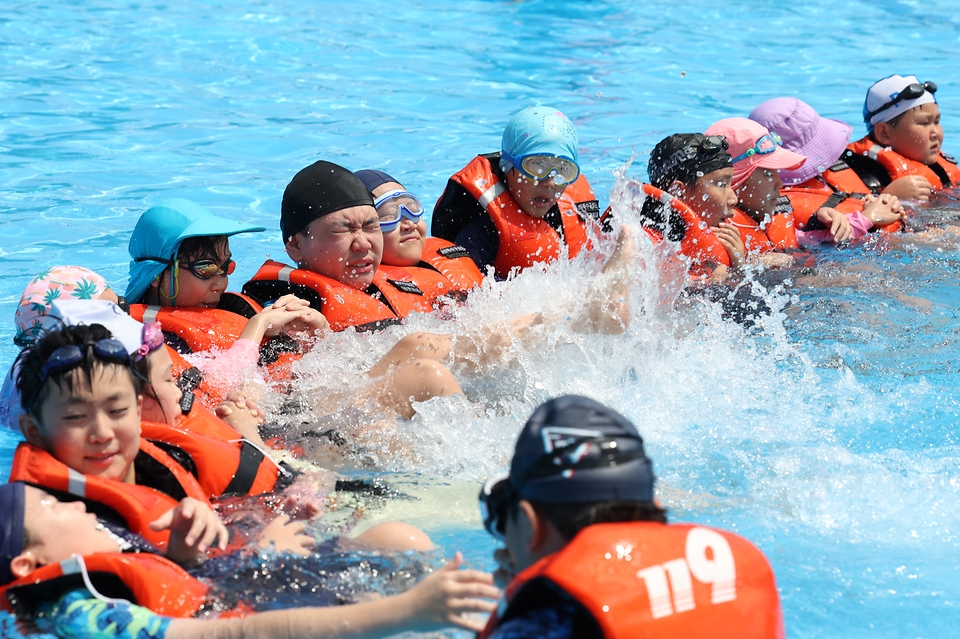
(286, 536)
(291, 303)
(275, 320)
(440, 600)
(193, 527)
(910, 187)
(297, 507)
(837, 222)
(729, 236)
(309, 321)
(884, 210)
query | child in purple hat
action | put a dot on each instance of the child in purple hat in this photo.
(823, 181)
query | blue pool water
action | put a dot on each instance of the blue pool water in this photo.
(828, 437)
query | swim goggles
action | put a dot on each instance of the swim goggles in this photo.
(581, 453)
(544, 167)
(151, 338)
(764, 146)
(910, 92)
(396, 205)
(67, 358)
(205, 269)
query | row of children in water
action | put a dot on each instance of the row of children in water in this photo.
(339, 256)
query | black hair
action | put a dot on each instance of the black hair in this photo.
(33, 393)
(202, 247)
(569, 519)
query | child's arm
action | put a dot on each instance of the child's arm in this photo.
(437, 602)
(244, 416)
(884, 210)
(910, 187)
(836, 222)
(193, 527)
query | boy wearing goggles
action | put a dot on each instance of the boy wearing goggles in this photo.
(902, 153)
(523, 205)
(587, 544)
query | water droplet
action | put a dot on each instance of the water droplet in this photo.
(599, 94)
(821, 168)
(702, 225)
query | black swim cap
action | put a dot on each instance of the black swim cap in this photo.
(574, 450)
(320, 189)
(372, 178)
(11, 527)
(685, 157)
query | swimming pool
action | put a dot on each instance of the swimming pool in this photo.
(828, 438)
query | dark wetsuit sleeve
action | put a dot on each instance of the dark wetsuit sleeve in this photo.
(77, 614)
(553, 622)
(480, 239)
(455, 210)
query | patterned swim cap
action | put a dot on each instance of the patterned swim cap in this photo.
(53, 285)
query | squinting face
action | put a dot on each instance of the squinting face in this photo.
(164, 408)
(404, 245)
(58, 529)
(345, 245)
(758, 195)
(535, 198)
(918, 135)
(712, 197)
(94, 428)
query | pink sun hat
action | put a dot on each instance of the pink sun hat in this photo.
(53, 285)
(752, 147)
(806, 132)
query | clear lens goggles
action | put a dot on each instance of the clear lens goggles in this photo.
(396, 205)
(545, 167)
(764, 146)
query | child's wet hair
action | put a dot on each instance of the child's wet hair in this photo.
(33, 392)
(203, 247)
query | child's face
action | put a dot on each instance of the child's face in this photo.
(192, 290)
(58, 529)
(345, 245)
(404, 245)
(535, 198)
(918, 135)
(759, 194)
(712, 197)
(164, 407)
(93, 427)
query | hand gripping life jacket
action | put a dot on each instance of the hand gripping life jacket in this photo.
(143, 578)
(226, 464)
(942, 174)
(644, 579)
(699, 242)
(131, 505)
(202, 329)
(342, 305)
(754, 239)
(525, 240)
(814, 194)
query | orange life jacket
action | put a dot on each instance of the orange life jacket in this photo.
(644, 579)
(143, 578)
(135, 505)
(942, 174)
(445, 270)
(814, 194)
(841, 177)
(454, 262)
(699, 242)
(342, 305)
(754, 239)
(525, 240)
(226, 464)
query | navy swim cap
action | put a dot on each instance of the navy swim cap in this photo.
(320, 189)
(574, 450)
(11, 527)
(372, 178)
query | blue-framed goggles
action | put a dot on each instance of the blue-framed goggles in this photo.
(542, 167)
(396, 205)
(764, 146)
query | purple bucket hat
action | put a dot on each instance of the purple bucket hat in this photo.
(804, 131)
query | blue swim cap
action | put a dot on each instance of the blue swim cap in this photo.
(160, 232)
(539, 130)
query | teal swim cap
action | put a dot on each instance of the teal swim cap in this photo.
(159, 233)
(539, 130)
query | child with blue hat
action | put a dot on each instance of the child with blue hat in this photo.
(524, 204)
